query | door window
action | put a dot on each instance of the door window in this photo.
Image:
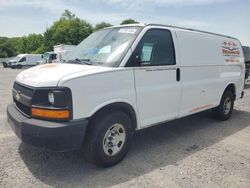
(156, 48)
(23, 59)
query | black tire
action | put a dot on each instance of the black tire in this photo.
(222, 112)
(94, 143)
(19, 66)
(4, 65)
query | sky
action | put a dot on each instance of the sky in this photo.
(229, 17)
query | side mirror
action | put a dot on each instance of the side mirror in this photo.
(138, 60)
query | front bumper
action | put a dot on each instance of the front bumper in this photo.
(55, 136)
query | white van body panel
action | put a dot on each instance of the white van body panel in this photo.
(153, 92)
(205, 74)
(112, 85)
(49, 74)
(158, 93)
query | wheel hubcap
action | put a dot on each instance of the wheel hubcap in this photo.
(227, 106)
(114, 139)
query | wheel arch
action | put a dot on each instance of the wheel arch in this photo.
(115, 106)
(230, 87)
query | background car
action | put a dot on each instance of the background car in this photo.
(246, 51)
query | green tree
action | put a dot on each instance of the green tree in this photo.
(7, 50)
(3, 52)
(102, 25)
(129, 21)
(67, 30)
(47, 41)
(68, 15)
(31, 43)
(10, 47)
(17, 44)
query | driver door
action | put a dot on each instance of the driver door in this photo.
(157, 82)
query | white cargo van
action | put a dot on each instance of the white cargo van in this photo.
(123, 79)
(62, 50)
(25, 60)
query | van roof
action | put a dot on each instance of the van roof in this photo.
(190, 29)
(175, 27)
(21, 55)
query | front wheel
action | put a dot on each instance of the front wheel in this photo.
(108, 139)
(19, 66)
(224, 111)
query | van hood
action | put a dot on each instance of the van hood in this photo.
(50, 74)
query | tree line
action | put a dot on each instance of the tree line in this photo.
(69, 29)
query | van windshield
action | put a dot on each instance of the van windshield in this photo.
(105, 47)
(17, 58)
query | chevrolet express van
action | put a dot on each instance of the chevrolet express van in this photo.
(123, 79)
(25, 60)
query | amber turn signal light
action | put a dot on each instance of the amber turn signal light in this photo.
(50, 114)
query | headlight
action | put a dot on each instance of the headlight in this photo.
(52, 103)
(51, 98)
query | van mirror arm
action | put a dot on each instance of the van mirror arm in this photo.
(138, 60)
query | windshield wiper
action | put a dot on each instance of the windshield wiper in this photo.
(81, 61)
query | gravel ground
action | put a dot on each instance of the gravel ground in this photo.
(196, 151)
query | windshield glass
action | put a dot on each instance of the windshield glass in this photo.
(46, 56)
(17, 58)
(106, 47)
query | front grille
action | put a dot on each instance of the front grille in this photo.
(23, 108)
(20, 104)
(24, 90)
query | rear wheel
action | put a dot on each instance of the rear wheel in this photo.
(108, 139)
(4, 64)
(224, 111)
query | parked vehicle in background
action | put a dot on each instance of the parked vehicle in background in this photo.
(7, 64)
(25, 60)
(6, 61)
(62, 51)
(3, 63)
(246, 51)
(48, 57)
(59, 53)
(123, 79)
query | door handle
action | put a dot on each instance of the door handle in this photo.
(178, 74)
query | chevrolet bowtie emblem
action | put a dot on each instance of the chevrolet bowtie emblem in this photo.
(18, 96)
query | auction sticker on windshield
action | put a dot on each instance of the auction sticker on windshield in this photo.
(128, 30)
